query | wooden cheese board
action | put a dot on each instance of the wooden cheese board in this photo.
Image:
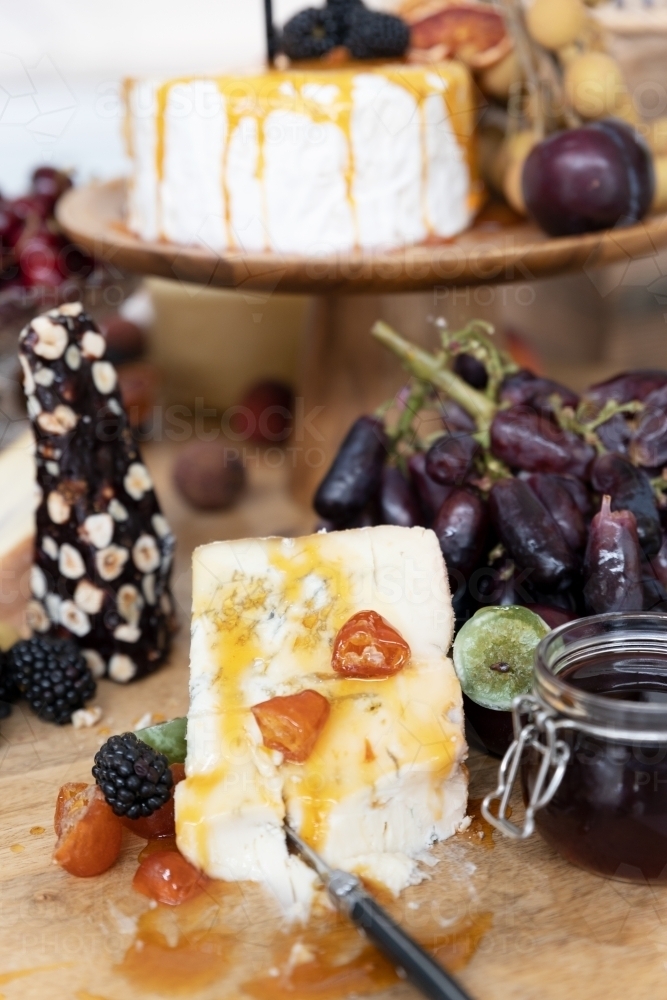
(515, 920)
(489, 253)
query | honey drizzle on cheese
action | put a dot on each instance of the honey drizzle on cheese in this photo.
(256, 97)
(335, 770)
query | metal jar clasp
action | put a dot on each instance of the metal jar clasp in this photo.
(535, 728)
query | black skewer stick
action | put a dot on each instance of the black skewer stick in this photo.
(270, 31)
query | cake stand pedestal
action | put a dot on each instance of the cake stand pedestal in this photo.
(343, 371)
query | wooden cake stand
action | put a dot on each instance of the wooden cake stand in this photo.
(343, 371)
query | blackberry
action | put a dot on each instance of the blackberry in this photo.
(310, 34)
(343, 10)
(372, 35)
(134, 778)
(8, 689)
(52, 676)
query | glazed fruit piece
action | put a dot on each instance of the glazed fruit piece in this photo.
(67, 792)
(354, 477)
(531, 536)
(450, 460)
(103, 549)
(525, 439)
(630, 489)
(494, 654)
(90, 835)
(398, 502)
(461, 527)
(292, 724)
(558, 500)
(588, 178)
(168, 878)
(367, 646)
(613, 562)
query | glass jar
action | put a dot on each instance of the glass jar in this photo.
(590, 747)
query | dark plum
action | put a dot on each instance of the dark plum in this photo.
(627, 387)
(431, 494)
(455, 418)
(461, 527)
(559, 502)
(355, 475)
(639, 160)
(531, 536)
(585, 179)
(450, 460)
(612, 567)
(649, 442)
(398, 501)
(471, 371)
(523, 387)
(630, 489)
(525, 439)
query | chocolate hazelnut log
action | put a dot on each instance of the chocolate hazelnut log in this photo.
(103, 549)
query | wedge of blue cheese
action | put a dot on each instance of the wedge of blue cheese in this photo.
(386, 777)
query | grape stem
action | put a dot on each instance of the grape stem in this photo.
(430, 368)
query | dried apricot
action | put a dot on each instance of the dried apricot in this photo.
(161, 823)
(67, 792)
(90, 834)
(168, 878)
(292, 724)
(368, 646)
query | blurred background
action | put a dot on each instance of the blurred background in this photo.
(60, 74)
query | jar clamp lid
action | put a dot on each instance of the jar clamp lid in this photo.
(556, 706)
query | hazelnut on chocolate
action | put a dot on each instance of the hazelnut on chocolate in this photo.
(103, 550)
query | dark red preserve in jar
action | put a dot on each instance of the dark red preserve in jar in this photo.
(591, 747)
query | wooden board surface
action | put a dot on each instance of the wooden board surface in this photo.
(94, 217)
(554, 931)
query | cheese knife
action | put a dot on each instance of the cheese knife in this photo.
(348, 895)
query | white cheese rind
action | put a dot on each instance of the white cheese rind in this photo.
(385, 780)
(301, 162)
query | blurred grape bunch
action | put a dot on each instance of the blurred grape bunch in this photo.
(537, 496)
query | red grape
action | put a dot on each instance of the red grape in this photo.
(557, 499)
(530, 535)
(624, 388)
(269, 407)
(525, 388)
(649, 442)
(455, 418)
(613, 562)
(431, 494)
(50, 183)
(461, 527)
(355, 475)
(525, 439)
(630, 489)
(451, 458)
(398, 502)
(472, 371)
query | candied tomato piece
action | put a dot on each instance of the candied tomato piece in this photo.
(292, 724)
(90, 835)
(168, 878)
(162, 823)
(368, 646)
(66, 793)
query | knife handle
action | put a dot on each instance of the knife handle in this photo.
(420, 968)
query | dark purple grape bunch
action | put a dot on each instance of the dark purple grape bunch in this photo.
(537, 496)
